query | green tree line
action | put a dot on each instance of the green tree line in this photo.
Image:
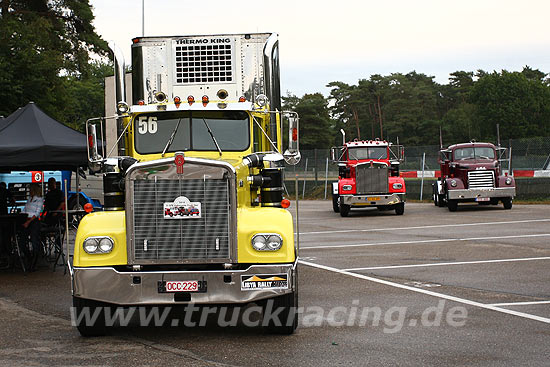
(50, 54)
(413, 108)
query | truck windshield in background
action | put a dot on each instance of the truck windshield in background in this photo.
(230, 128)
(368, 153)
(474, 153)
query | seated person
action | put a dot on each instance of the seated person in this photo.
(31, 226)
(54, 201)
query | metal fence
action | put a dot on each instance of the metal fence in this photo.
(527, 154)
(315, 169)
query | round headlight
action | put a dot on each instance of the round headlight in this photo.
(397, 186)
(274, 242)
(160, 96)
(222, 94)
(105, 245)
(90, 245)
(453, 183)
(261, 100)
(122, 107)
(259, 242)
(508, 181)
(346, 187)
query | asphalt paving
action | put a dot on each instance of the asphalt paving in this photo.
(426, 288)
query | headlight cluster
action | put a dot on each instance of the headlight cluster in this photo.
(453, 183)
(397, 186)
(98, 245)
(508, 181)
(267, 242)
(346, 187)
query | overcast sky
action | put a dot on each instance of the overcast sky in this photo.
(324, 41)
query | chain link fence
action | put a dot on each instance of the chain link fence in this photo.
(527, 154)
(315, 168)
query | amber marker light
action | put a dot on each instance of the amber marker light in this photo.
(177, 101)
(141, 102)
(88, 208)
(190, 100)
(242, 99)
(285, 203)
(205, 100)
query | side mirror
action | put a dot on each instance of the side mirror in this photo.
(336, 154)
(292, 155)
(94, 158)
(93, 154)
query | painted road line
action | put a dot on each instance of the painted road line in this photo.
(520, 303)
(425, 241)
(450, 263)
(426, 227)
(429, 293)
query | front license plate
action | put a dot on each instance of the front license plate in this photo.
(182, 286)
(373, 198)
(483, 199)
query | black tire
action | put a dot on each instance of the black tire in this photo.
(288, 318)
(507, 202)
(94, 327)
(344, 209)
(335, 203)
(77, 204)
(441, 201)
(400, 208)
(452, 205)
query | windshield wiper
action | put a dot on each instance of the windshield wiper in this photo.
(212, 136)
(169, 142)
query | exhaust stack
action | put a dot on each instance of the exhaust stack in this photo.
(120, 89)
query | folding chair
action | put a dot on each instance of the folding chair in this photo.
(52, 237)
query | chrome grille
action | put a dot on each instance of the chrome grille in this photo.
(154, 239)
(371, 179)
(482, 179)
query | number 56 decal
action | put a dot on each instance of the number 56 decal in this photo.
(147, 124)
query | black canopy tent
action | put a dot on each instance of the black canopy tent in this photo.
(30, 140)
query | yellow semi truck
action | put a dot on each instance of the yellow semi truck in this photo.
(194, 206)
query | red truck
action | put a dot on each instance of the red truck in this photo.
(472, 172)
(368, 176)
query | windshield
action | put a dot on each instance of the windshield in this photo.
(474, 153)
(153, 130)
(368, 153)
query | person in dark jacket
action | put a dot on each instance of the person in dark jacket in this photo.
(53, 202)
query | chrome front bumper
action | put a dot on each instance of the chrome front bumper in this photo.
(109, 285)
(472, 194)
(372, 200)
